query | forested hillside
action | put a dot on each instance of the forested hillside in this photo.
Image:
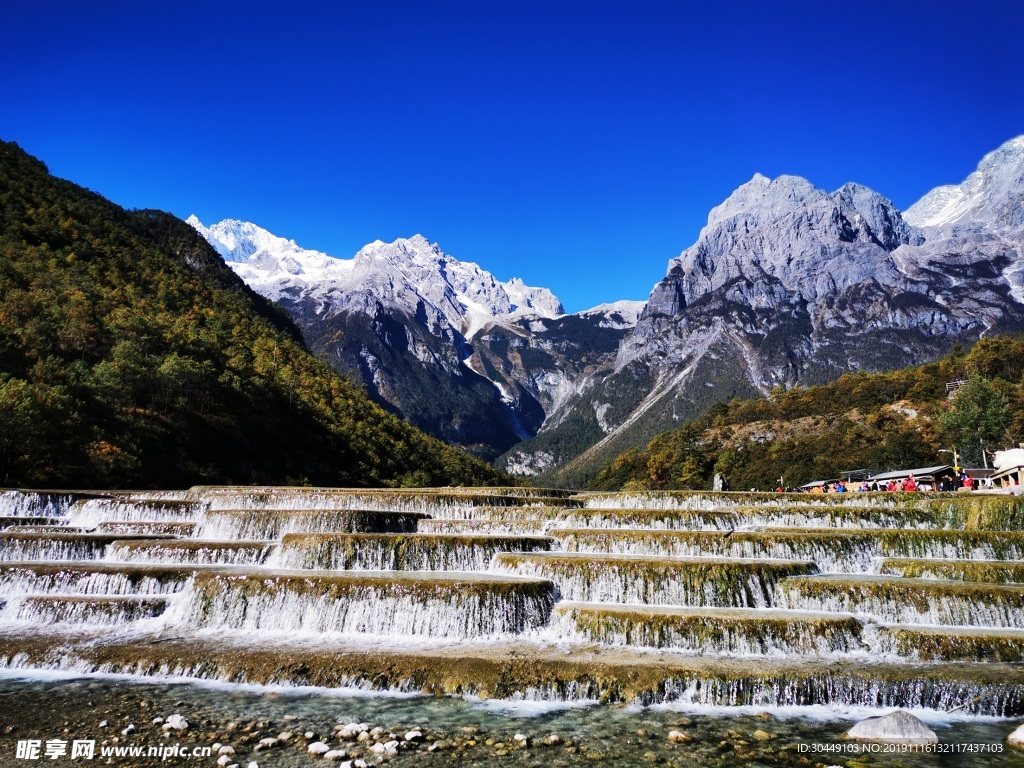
(878, 421)
(130, 356)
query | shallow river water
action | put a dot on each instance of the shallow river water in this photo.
(457, 732)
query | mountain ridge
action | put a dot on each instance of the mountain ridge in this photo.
(786, 284)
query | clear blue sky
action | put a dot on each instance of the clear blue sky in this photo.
(576, 145)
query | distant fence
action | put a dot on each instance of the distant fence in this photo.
(953, 386)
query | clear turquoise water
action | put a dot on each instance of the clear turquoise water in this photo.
(601, 735)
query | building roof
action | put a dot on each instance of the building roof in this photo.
(919, 473)
(1008, 472)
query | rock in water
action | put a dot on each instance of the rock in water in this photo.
(175, 723)
(898, 726)
(1016, 739)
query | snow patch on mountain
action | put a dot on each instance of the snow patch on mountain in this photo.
(408, 274)
(992, 197)
(617, 314)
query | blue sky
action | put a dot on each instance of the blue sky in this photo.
(576, 145)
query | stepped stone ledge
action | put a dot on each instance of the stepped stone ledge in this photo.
(880, 600)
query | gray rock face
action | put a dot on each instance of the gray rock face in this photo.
(475, 361)
(789, 284)
(898, 727)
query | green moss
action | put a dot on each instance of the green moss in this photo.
(906, 600)
(803, 545)
(981, 512)
(957, 644)
(654, 580)
(987, 571)
(510, 671)
(996, 545)
(705, 630)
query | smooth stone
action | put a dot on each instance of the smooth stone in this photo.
(760, 735)
(898, 726)
(175, 723)
(678, 737)
(227, 749)
(318, 748)
(129, 730)
(414, 736)
(335, 754)
(223, 760)
(269, 742)
(1016, 739)
(253, 764)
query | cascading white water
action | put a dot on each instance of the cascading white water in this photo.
(403, 552)
(670, 519)
(32, 504)
(657, 581)
(846, 553)
(103, 611)
(370, 604)
(493, 527)
(895, 600)
(191, 552)
(21, 545)
(736, 577)
(267, 524)
(19, 579)
(90, 513)
(703, 631)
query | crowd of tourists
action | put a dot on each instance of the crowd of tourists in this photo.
(960, 481)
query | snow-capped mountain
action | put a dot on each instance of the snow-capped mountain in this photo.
(406, 318)
(790, 284)
(402, 273)
(787, 284)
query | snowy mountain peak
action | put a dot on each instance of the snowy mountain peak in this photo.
(616, 314)
(410, 274)
(992, 197)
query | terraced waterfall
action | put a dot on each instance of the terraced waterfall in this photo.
(877, 600)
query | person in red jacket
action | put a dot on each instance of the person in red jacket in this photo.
(910, 484)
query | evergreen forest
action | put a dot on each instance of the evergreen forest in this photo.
(132, 357)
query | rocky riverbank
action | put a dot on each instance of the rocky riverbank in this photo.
(300, 730)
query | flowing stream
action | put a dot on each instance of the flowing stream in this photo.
(592, 611)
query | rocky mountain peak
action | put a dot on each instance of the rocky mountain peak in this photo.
(991, 199)
(788, 233)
